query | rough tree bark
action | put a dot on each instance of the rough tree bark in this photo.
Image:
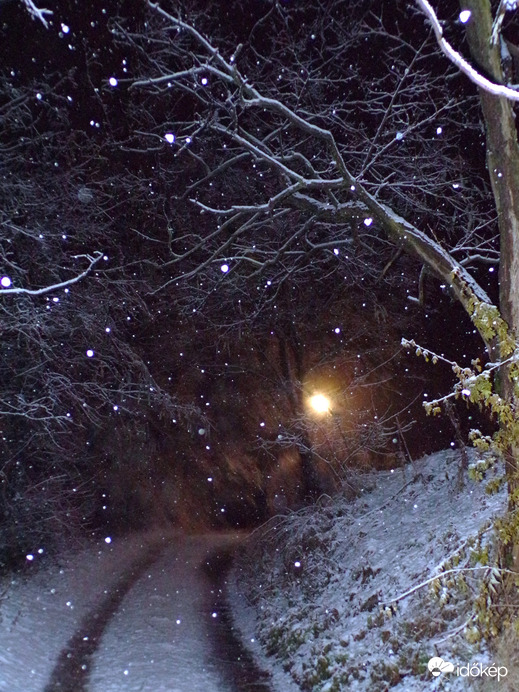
(502, 151)
(502, 156)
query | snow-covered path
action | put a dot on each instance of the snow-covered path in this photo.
(165, 635)
(143, 614)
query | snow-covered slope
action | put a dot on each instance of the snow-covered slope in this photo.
(322, 593)
(328, 585)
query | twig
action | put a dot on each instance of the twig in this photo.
(37, 13)
(454, 632)
(455, 570)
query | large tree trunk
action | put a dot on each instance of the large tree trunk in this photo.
(503, 169)
(502, 157)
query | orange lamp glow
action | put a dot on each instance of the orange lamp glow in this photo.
(320, 403)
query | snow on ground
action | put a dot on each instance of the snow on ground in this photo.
(160, 638)
(321, 582)
(41, 609)
(158, 628)
(312, 593)
(144, 613)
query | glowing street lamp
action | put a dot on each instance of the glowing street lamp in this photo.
(320, 403)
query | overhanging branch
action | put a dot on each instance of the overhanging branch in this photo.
(460, 62)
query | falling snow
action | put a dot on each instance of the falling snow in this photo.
(352, 560)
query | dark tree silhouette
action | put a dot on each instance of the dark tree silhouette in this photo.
(71, 305)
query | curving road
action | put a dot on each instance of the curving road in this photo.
(163, 627)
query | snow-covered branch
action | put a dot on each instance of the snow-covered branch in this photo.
(269, 156)
(460, 62)
(92, 260)
(250, 98)
(456, 570)
(37, 13)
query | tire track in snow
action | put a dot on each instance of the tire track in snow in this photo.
(72, 670)
(239, 669)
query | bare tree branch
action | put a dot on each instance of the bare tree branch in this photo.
(37, 13)
(93, 260)
(480, 80)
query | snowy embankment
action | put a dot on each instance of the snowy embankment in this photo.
(328, 586)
